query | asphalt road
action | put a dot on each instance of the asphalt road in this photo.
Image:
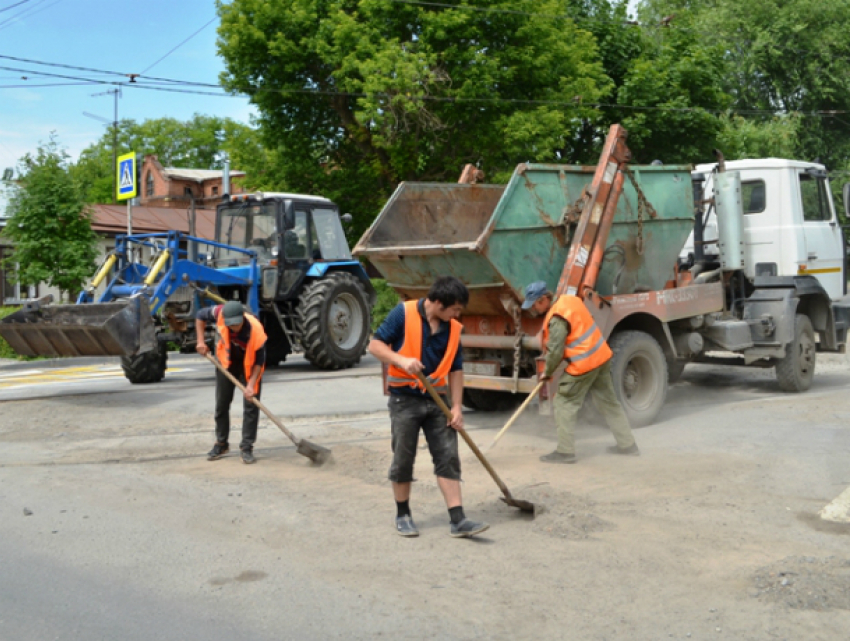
(114, 526)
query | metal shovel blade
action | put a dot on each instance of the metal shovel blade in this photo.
(315, 453)
(525, 506)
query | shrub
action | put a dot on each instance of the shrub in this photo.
(387, 299)
(5, 349)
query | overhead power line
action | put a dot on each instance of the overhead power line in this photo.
(178, 46)
(26, 13)
(12, 6)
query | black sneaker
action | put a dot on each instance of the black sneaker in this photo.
(467, 528)
(405, 526)
(627, 451)
(558, 457)
(218, 450)
(248, 457)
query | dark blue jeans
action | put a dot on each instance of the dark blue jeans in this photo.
(224, 391)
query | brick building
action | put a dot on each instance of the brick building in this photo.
(173, 188)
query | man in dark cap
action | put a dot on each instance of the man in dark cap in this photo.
(240, 346)
(570, 334)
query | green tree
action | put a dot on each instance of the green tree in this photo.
(672, 95)
(197, 144)
(49, 224)
(356, 95)
(782, 57)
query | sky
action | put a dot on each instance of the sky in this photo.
(105, 35)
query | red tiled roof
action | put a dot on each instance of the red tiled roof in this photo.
(112, 220)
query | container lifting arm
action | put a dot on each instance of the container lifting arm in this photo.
(586, 251)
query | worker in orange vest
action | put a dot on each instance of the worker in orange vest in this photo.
(241, 349)
(424, 336)
(570, 335)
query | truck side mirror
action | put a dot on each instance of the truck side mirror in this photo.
(346, 218)
(288, 220)
(845, 191)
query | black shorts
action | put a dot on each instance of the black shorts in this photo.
(408, 414)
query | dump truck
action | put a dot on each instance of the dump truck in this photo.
(284, 256)
(735, 263)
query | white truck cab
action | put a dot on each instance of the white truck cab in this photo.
(790, 227)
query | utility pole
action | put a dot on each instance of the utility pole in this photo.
(117, 94)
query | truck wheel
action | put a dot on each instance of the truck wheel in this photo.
(147, 367)
(335, 321)
(639, 370)
(485, 400)
(796, 371)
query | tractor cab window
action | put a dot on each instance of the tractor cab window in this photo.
(330, 236)
(249, 226)
(297, 240)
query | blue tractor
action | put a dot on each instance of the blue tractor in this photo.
(284, 256)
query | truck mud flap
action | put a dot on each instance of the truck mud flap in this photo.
(122, 328)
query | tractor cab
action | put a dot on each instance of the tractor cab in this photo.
(288, 232)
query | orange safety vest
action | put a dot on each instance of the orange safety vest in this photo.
(412, 347)
(585, 348)
(256, 340)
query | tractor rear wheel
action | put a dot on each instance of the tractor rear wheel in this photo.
(147, 367)
(335, 321)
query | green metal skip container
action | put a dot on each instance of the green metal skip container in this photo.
(499, 238)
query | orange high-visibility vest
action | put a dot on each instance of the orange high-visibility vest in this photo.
(585, 348)
(255, 342)
(412, 347)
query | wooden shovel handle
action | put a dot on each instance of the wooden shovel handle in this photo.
(274, 419)
(516, 415)
(438, 399)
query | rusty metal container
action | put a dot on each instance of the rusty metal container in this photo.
(499, 238)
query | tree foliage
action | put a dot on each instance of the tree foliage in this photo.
(781, 58)
(196, 144)
(50, 224)
(357, 95)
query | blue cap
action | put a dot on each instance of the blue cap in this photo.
(533, 292)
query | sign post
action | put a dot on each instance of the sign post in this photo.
(127, 185)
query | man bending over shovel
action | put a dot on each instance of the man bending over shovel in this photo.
(424, 336)
(240, 346)
(570, 335)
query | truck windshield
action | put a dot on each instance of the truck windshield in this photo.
(247, 225)
(331, 237)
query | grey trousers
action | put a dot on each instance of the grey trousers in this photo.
(570, 397)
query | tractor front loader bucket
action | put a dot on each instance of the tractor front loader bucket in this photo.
(122, 328)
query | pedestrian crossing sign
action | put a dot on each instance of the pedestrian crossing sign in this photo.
(127, 187)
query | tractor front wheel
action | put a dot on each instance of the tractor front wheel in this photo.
(335, 321)
(147, 367)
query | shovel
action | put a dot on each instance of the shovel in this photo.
(525, 506)
(513, 418)
(315, 453)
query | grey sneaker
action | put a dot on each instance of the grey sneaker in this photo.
(248, 457)
(467, 528)
(558, 457)
(218, 450)
(628, 451)
(405, 526)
